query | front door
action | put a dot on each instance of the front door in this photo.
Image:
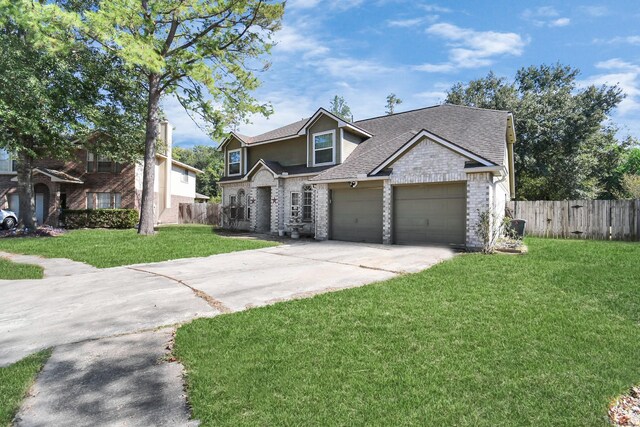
(263, 210)
(39, 208)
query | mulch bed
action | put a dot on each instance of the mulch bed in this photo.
(625, 410)
(42, 231)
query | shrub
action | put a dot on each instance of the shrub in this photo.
(100, 218)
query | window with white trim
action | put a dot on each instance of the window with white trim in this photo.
(233, 162)
(307, 203)
(233, 206)
(324, 148)
(241, 205)
(184, 177)
(7, 161)
(295, 206)
(104, 200)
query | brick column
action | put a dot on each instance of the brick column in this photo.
(387, 212)
(253, 204)
(478, 200)
(322, 211)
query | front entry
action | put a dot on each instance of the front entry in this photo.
(263, 210)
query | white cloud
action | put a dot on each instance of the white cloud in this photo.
(435, 8)
(545, 16)
(472, 49)
(412, 22)
(433, 97)
(560, 22)
(353, 68)
(634, 40)
(333, 4)
(290, 39)
(624, 74)
(595, 11)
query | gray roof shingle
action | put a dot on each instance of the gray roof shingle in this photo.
(480, 131)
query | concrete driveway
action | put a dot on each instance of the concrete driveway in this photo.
(65, 309)
(109, 367)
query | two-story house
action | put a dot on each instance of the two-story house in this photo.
(91, 181)
(422, 176)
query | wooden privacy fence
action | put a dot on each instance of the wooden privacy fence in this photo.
(581, 219)
(200, 213)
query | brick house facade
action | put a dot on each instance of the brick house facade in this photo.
(89, 181)
(423, 176)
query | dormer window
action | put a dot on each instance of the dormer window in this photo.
(324, 148)
(233, 162)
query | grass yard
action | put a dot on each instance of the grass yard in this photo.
(10, 270)
(111, 248)
(548, 338)
(15, 381)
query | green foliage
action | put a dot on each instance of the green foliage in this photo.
(15, 381)
(10, 270)
(392, 101)
(209, 160)
(547, 338)
(204, 53)
(100, 218)
(111, 248)
(563, 150)
(631, 161)
(52, 99)
(631, 186)
(339, 107)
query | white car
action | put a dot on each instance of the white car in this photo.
(8, 219)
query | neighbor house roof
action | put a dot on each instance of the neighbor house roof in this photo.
(475, 130)
(180, 164)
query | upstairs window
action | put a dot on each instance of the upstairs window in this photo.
(100, 163)
(184, 177)
(7, 162)
(324, 148)
(233, 162)
(307, 203)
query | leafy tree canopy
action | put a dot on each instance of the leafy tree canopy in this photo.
(565, 148)
(339, 107)
(392, 101)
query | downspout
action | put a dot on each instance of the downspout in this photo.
(511, 139)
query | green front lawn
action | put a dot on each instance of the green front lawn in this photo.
(111, 248)
(547, 338)
(10, 270)
(15, 381)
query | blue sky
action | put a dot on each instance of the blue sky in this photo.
(364, 50)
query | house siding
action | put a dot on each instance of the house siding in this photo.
(323, 124)
(288, 153)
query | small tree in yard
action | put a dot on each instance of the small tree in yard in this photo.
(488, 230)
(203, 52)
(631, 185)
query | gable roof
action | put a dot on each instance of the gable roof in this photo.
(478, 131)
(293, 130)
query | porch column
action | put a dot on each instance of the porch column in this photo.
(387, 212)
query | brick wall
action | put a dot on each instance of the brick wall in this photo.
(479, 199)
(427, 162)
(322, 211)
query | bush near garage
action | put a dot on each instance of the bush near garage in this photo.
(100, 218)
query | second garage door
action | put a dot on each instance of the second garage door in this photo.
(356, 215)
(429, 213)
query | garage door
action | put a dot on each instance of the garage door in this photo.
(356, 215)
(429, 213)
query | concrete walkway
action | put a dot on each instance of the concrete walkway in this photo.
(85, 381)
(53, 267)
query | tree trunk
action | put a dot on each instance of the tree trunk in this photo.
(25, 190)
(147, 215)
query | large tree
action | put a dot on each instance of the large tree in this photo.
(56, 93)
(203, 52)
(564, 149)
(209, 160)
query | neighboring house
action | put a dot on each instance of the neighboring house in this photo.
(90, 181)
(421, 176)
